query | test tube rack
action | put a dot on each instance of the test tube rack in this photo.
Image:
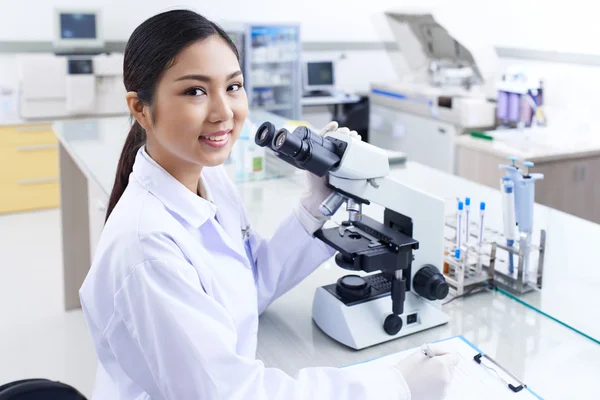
(474, 268)
(519, 282)
(479, 265)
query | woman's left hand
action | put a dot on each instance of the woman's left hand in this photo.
(316, 187)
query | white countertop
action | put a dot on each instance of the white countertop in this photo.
(571, 277)
(570, 280)
(536, 145)
(18, 121)
(552, 359)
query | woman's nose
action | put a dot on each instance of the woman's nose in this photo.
(220, 109)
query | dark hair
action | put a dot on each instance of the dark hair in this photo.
(150, 50)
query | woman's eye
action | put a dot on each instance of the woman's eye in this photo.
(195, 92)
(235, 87)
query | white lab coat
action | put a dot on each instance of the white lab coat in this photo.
(172, 301)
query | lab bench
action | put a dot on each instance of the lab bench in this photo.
(571, 167)
(29, 165)
(520, 338)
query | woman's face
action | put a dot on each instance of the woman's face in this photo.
(199, 106)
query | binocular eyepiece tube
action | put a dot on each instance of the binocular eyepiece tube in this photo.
(301, 148)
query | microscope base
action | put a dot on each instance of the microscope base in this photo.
(361, 325)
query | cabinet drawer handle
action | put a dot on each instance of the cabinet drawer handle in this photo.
(36, 181)
(38, 147)
(25, 129)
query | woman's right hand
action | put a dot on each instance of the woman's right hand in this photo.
(428, 378)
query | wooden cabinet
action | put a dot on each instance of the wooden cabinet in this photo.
(28, 168)
(571, 183)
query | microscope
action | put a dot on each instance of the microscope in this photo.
(402, 256)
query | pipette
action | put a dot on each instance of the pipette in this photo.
(508, 209)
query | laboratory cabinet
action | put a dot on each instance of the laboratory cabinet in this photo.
(28, 168)
(571, 181)
(425, 140)
(271, 56)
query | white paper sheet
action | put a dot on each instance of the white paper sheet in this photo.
(472, 381)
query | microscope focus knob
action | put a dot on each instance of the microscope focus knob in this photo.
(429, 283)
(392, 324)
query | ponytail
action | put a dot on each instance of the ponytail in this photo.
(135, 140)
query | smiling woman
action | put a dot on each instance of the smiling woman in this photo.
(179, 278)
(186, 95)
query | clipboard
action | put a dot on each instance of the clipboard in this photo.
(477, 376)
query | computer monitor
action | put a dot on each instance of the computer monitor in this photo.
(78, 29)
(319, 76)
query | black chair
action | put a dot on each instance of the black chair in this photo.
(39, 389)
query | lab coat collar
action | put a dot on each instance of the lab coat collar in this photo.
(173, 194)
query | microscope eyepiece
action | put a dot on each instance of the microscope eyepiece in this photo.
(264, 134)
(280, 139)
(302, 148)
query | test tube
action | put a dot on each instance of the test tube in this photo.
(467, 212)
(481, 218)
(480, 238)
(459, 215)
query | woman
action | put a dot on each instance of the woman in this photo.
(173, 296)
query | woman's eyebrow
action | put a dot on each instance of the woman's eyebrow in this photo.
(205, 78)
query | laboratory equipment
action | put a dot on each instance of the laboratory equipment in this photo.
(468, 264)
(407, 246)
(520, 215)
(443, 94)
(467, 216)
(427, 350)
(459, 225)
(508, 210)
(271, 64)
(318, 78)
(78, 31)
(53, 86)
(520, 99)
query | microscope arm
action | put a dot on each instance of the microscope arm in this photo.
(427, 212)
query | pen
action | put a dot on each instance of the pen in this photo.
(427, 351)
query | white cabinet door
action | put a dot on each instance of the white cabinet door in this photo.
(424, 140)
